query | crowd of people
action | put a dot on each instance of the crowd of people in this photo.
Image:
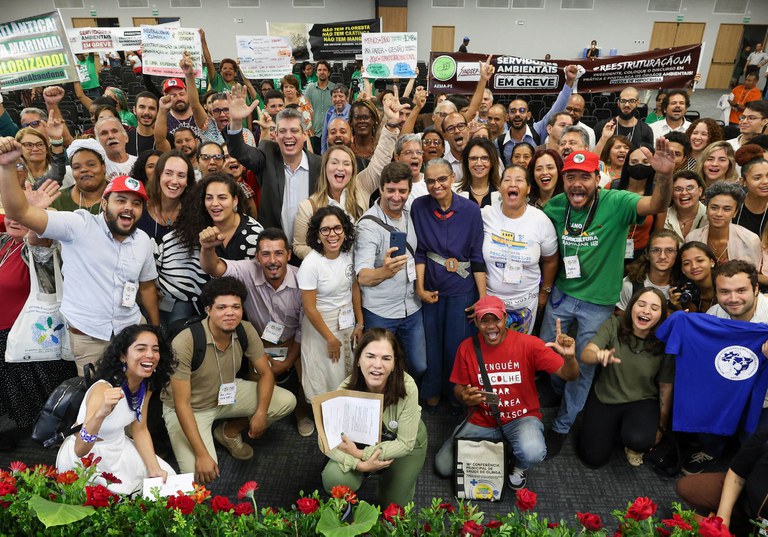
(297, 236)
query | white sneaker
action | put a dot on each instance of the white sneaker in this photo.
(305, 426)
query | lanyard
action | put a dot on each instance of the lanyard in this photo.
(741, 209)
(580, 229)
(218, 363)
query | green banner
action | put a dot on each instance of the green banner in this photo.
(35, 52)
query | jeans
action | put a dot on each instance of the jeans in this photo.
(410, 332)
(589, 318)
(524, 436)
(446, 326)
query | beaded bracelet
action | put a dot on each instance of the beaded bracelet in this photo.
(88, 438)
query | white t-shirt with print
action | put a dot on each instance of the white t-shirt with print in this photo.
(331, 278)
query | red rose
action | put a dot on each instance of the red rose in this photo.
(307, 506)
(247, 490)
(244, 509)
(526, 499)
(6, 489)
(18, 466)
(447, 507)
(641, 509)
(590, 521)
(221, 503)
(392, 512)
(427, 527)
(676, 522)
(552, 525)
(663, 531)
(472, 528)
(99, 496)
(182, 502)
(713, 527)
(66, 478)
(493, 524)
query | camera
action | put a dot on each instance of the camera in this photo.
(689, 292)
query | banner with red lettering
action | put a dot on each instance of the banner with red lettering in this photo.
(455, 72)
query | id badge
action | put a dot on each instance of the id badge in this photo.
(166, 302)
(346, 317)
(572, 267)
(278, 354)
(629, 251)
(273, 332)
(129, 294)
(410, 268)
(227, 394)
(513, 272)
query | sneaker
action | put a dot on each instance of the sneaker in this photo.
(697, 463)
(305, 426)
(236, 447)
(634, 458)
(554, 441)
(517, 478)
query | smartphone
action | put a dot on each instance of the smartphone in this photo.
(491, 398)
(398, 239)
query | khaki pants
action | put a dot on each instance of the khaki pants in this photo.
(87, 350)
(281, 405)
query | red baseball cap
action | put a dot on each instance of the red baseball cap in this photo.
(173, 83)
(490, 304)
(124, 183)
(583, 161)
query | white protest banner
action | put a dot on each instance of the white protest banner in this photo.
(35, 52)
(86, 40)
(264, 56)
(164, 47)
(390, 55)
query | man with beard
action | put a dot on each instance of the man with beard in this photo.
(219, 111)
(519, 115)
(273, 305)
(626, 123)
(575, 108)
(145, 111)
(180, 105)
(592, 225)
(340, 109)
(674, 106)
(186, 141)
(113, 138)
(89, 172)
(107, 261)
(319, 96)
(387, 278)
(456, 132)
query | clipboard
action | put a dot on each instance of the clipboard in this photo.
(317, 408)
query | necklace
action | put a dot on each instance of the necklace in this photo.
(10, 251)
(480, 194)
(714, 250)
(135, 400)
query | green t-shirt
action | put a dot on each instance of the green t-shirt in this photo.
(653, 118)
(310, 80)
(638, 375)
(65, 203)
(127, 118)
(93, 77)
(219, 85)
(600, 249)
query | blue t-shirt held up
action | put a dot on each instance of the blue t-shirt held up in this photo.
(721, 372)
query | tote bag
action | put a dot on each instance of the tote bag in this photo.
(40, 333)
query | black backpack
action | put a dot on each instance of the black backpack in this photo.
(54, 422)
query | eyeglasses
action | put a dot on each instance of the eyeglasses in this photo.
(627, 101)
(337, 230)
(459, 127)
(521, 110)
(436, 143)
(657, 251)
(750, 118)
(443, 179)
(412, 153)
(32, 145)
(218, 111)
(218, 158)
(34, 124)
(441, 114)
(680, 189)
(362, 118)
(485, 159)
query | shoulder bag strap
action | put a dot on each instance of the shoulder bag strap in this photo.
(486, 381)
(386, 226)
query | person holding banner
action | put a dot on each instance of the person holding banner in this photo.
(89, 69)
(185, 107)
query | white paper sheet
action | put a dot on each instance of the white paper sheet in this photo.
(357, 418)
(174, 483)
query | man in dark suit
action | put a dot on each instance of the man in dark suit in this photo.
(286, 172)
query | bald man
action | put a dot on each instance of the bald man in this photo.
(575, 109)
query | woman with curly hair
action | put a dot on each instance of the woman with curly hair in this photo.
(218, 203)
(364, 122)
(480, 167)
(701, 133)
(333, 311)
(137, 363)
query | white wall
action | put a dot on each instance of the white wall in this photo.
(564, 33)
(214, 17)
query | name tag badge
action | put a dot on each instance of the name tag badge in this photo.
(346, 317)
(572, 267)
(227, 394)
(129, 294)
(278, 354)
(513, 272)
(410, 268)
(273, 332)
(629, 251)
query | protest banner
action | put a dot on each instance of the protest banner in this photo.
(35, 52)
(164, 46)
(663, 68)
(264, 56)
(340, 40)
(390, 55)
(86, 40)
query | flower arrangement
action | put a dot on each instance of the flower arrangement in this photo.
(39, 500)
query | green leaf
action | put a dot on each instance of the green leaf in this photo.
(365, 516)
(58, 514)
